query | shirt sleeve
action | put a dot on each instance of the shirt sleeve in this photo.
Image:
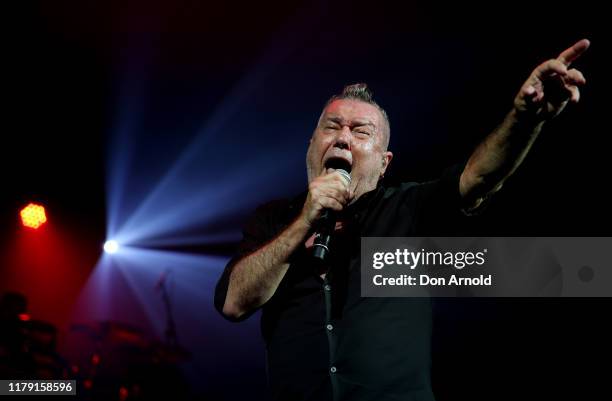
(440, 208)
(255, 233)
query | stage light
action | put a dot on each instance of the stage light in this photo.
(111, 246)
(33, 216)
(24, 317)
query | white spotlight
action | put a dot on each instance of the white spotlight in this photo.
(111, 246)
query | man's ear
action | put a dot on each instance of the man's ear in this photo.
(386, 160)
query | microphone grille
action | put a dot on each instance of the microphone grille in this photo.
(345, 174)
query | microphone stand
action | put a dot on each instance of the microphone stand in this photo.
(171, 337)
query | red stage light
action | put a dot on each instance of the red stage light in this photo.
(33, 216)
(24, 317)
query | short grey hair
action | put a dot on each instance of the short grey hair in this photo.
(361, 92)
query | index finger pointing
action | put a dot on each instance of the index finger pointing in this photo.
(569, 55)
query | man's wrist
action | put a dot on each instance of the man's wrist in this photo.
(525, 119)
(302, 223)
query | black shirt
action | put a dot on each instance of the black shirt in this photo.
(323, 340)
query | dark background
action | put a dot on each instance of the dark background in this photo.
(446, 75)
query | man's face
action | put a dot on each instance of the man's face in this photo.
(350, 132)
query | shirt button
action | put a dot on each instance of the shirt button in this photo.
(329, 327)
(327, 287)
(333, 369)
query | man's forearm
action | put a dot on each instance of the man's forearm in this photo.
(497, 157)
(255, 278)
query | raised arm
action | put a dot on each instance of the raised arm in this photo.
(542, 97)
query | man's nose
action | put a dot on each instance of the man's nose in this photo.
(343, 139)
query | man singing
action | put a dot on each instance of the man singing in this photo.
(323, 340)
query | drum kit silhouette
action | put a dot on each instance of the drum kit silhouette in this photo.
(117, 360)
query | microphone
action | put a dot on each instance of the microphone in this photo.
(327, 224)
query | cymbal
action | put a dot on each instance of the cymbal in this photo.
(169, 353)
(113, 332)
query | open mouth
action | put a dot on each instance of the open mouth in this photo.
(338, 163)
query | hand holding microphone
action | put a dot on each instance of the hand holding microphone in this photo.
(328, 194)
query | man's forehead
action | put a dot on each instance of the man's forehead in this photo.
(353, 111)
